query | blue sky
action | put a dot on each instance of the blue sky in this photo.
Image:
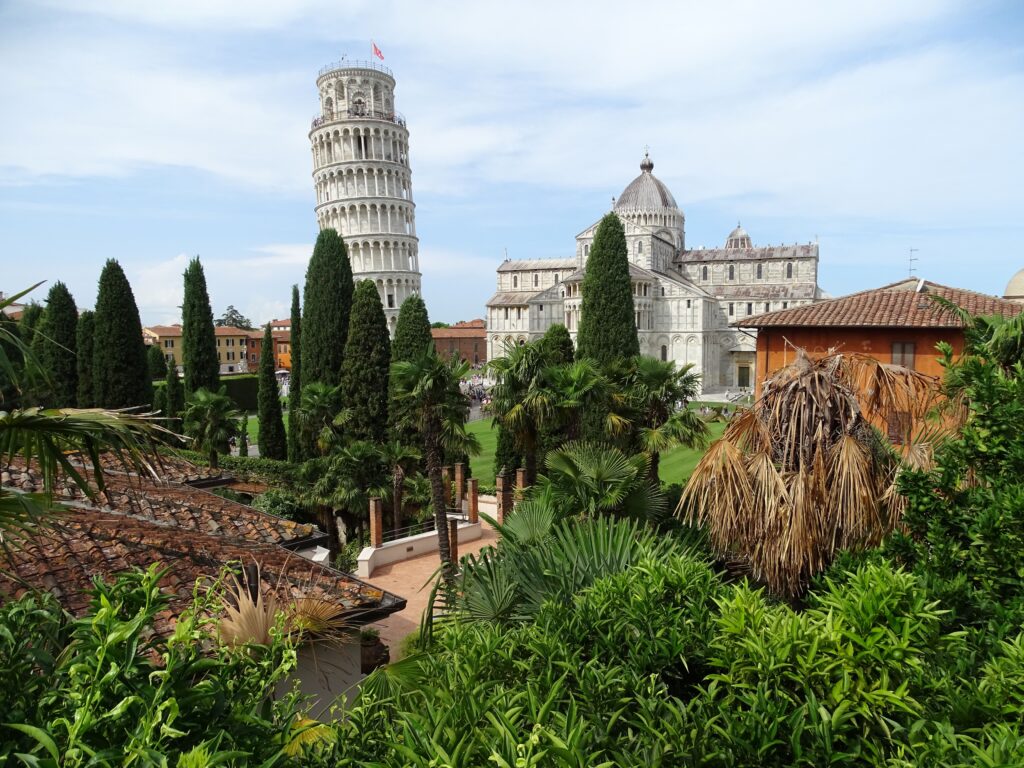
(151, 132)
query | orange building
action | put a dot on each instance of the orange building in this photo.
(282, 348)
(897, 323)
(467, 340)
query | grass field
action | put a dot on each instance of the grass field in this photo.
(254, 427)
(676, 465)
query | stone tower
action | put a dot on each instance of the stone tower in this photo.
(362, 179)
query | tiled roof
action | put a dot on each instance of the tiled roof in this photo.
(518, 265)
(192, 532)
(175, 330)
(759, 253)
(511, 298)
(905, 304)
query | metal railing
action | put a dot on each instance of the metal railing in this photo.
(354, 64)
(367, 114)
(427, 526)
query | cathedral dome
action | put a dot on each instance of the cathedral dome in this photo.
(738, 238)
(645, 192)
(1015, 288)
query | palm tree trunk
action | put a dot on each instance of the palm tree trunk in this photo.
(397, 478)
(433, 460)
(213, 459)
(530, 457)
(655, 463)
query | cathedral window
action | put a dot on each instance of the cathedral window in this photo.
(586, 250)
(704, 274)
(639, 246)
(556, 280)
(536, 280)
(785, 305)
(506, 313)
(689, 303)
(789, 271)
(750, 308)
(519, 313)
(731, 308)
(767, 306)
(515, 281)
(664, 353)
(759, 273)
(732, 272)
(663, 290)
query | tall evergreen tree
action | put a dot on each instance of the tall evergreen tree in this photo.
(243, 435)
(364, 372)
(295, 452)
(119, 369)
(84, 348)
(55, 346)
(156, 362)
(412, 331)
(174, 395)
(607, 321)
(507, 455)
(272, 441)
(30, 319)
(557, 345)
(327, 302)
(199, 345)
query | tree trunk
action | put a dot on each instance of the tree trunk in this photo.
(433, 457)
(530, 459)
(655, 463)
(398, 478)
(213, 459)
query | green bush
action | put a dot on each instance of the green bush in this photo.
(243, 388)
(256, 468)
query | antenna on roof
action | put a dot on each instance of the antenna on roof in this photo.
(910, 262)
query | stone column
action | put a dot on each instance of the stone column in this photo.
(376, 522)
(460, 485)
(453, 539)
(521, 479)
(474, 500)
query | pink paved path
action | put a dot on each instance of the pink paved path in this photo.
(413, 579)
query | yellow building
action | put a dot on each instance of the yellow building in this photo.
(232, 344)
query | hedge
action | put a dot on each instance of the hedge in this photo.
(269, 471)
(242, 388)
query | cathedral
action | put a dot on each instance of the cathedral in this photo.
(689, 304)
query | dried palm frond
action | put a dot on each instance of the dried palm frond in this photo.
(249, 615)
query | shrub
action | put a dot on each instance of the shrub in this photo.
(243, 388)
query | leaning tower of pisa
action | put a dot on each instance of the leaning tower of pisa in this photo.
(362, 178)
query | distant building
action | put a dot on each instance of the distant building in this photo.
(282, 347)
(467, 340)
(688, 303)
(1015, 288)
(897, 323)
(233, 348)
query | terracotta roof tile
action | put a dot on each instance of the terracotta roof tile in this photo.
(905, 304)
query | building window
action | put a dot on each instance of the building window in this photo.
(750, 308)
(506, 313)
(789, 271)
(218, 342)
(730, 309)
(170, 358)
(168, 343)
(689, 303)
(391, 301)
(556, 277)
(639, 246)
(664, 353)
(903, 354)
(663, 290)
(252, 358)
(767, 306)
(785, 305)
(536, 280)
(519, 313)
(759, 272)
(732, 272)
(704, 274)
(586, 250)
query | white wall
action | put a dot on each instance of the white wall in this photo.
(405, 549)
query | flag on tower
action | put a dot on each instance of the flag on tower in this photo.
(376, 51)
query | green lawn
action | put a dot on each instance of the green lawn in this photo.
(254, 427)
(676, 465)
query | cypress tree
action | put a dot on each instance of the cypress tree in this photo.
(119, 371)
(174, 395)
(160, 400)
(607, 321)
(272, 441)
(156, 362)
(507, 454)
(557, 345)
(327, 302)
(84, 348)
(199, 346)
(295, 452)
(243, 436)
(412, 331)
(364, 372)
(30, 319)
(54, 345)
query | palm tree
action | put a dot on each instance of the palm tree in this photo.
(520, 400)
(807, 471)
(345, 481)
(401, 459)
(320, 414)
(210, 419)
(659, 392)
(428, 399)
(588, 480)
(50, 438)
(580, 393)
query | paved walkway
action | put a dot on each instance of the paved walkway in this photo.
(413, 579)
